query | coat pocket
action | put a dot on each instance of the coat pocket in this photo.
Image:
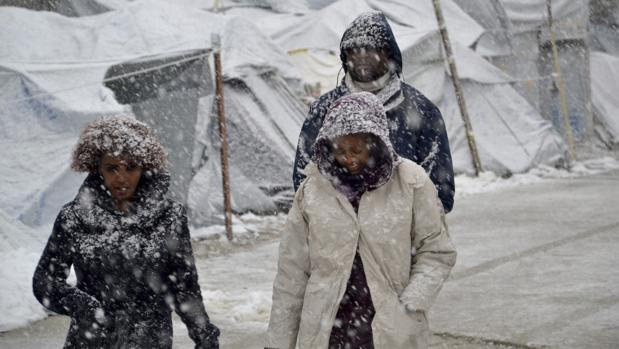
(395, 327)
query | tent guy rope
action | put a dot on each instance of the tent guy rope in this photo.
(117, 77)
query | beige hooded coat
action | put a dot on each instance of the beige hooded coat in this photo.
(402, 239)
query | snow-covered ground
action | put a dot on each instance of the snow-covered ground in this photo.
(536, 269)
(488, 181)
(243, 307)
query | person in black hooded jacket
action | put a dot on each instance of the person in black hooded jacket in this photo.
(372, 62)
(129, 246)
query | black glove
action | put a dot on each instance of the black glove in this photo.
(212, 339)
(209, 344)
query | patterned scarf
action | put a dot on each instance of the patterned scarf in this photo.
(387, 88)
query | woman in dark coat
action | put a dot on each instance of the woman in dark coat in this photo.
(129, 246)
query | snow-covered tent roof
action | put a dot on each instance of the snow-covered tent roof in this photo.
(223, 6)
(570, 17)
(54, 86)
(70, 8)
(323, 28)
(511, 135)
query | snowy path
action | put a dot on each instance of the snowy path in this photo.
(237, 290)
(536, 265)
(536, 268)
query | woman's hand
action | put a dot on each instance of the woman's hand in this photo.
(211, 343)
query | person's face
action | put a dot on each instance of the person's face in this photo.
(367, 64)
(121, 177)
(352, 152)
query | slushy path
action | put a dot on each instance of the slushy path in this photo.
(536, 268)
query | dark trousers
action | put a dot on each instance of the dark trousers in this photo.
(353, 322)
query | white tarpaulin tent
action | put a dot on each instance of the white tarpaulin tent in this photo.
(604, 87)
(70, 8)
(531, 63)
(511, 135)
(604, 26)
(20, 248)
(288, 6)
(495, 40)
(531, 15)
(54, 85)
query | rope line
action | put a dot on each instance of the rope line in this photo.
(113, 78)
(187, 59)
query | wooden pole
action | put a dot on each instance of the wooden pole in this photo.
(589, 103)
(455, 78)
(223, 137)
(561, 85)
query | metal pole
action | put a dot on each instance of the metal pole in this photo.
(560, 84)
(455, 78)
(223, 137)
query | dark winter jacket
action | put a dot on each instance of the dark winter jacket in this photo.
(131, 270)
(417, 129)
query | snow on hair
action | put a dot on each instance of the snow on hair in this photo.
(118, 136)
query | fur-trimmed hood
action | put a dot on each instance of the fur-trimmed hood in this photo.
(118, 136)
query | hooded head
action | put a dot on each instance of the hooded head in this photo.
(359, 114)
(371, 31)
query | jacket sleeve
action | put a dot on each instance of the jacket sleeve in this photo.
(434, 253)
(435, 154)
(307, 137)
(188, 301)
(293, 272)
(49, 283)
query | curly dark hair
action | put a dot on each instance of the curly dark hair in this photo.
(119, 136)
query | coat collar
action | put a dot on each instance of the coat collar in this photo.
(93, 203)
(324, 183)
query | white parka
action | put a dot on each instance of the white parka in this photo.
(402, 238)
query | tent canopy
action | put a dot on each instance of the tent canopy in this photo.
(604, 86)
(511, 135)
(54, 86)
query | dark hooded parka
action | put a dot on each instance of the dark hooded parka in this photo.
(131, 270)
(417, 129)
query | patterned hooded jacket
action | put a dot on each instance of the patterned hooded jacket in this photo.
(356, 113)
(417, 129)
(397, 213)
